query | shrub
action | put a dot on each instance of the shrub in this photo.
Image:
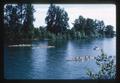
(107, 67)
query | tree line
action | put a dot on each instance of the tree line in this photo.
(18, 25)
(18, 22)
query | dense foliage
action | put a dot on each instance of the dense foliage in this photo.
(56, 19)
(107, 67)
(18, 22)
(92, 28)
(18, 25)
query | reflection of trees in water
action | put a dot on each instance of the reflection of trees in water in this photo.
(55, 58)
(17, 62)
(19, 51)
(81, 42)
(56, 54)
(64, 43)
(58, 43)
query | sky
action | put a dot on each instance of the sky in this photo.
(105, 12)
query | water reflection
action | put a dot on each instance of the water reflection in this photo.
(55, 59)
(16, 63)
(81, 48)
(38, 59)
(50, 63)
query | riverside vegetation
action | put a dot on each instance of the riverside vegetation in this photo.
(18, 28)
(107, 67)
(18, 25)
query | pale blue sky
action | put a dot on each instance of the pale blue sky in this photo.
(105, 12)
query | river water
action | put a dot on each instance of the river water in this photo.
(47, 59)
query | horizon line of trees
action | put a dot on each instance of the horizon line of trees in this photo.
(18, 25)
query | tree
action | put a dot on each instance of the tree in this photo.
(21, 12)
(11, 22)
(79, 23)
(28, 21)
(100, 26)
(18, 21)
(90, 28)
(109, 30)
(85, 27)
(107, 67)
(56, 19)
(10, 16)
(14, 14)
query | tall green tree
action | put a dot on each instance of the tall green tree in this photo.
(109, 30)
(79, 23)
(100, 26)
(10, 16)
(18, 21)
(56, 19)
(11, 21)
(90, 27)
(86, 27)
(28, 21)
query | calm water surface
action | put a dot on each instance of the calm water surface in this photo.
(50, 63)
